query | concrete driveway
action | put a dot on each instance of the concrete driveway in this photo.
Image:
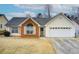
(66, 45)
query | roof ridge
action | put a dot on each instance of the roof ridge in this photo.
(4, 16)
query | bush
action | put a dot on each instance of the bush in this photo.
(7, 33)
(2, 32)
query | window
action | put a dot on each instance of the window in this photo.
(42, 29)
(15, 30)
(0, 25)
(60, 27)
(29, 29)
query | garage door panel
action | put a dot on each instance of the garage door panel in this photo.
(60, 33)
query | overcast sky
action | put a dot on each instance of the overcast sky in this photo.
(11, 10)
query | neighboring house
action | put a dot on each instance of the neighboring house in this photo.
(76, 22)
(3, 21)
(58, 26)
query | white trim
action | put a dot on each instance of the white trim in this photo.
(39, 32)
(15, 34)
(35, 21)
(14, 28)
(28, 19)
(23, 21)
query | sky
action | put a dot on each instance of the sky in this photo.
(21, 10)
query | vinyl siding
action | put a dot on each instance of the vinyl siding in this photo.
(60, 21)
(3, 21)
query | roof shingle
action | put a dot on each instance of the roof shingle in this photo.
(15, 21)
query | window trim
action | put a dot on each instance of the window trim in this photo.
(33, 30)
(60, 27)
(15, 30)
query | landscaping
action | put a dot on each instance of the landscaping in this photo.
(2, 32)
(5, 33)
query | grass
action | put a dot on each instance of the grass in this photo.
(13, 45)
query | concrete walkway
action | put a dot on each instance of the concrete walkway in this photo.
(66, 45)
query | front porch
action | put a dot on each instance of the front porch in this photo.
(30, 29)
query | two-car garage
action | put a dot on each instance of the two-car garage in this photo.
(60, 32)
(60, 26)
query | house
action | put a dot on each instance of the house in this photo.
(25, 27)
(3, 21)
(58, 26)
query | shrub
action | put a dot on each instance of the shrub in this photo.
(2, 32)
(7, 33)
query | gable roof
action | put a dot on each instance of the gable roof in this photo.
(42, 21)
(15, 21)
(63, 16)
(3, 16)
(27, 20)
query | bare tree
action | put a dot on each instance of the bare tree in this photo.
(78, 11)
(48, 8)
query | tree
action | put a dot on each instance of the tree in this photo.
(67, 15)
(39, 15)
(48, 8)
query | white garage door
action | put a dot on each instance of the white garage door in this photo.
(60, 33)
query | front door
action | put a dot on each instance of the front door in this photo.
(42, 32)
